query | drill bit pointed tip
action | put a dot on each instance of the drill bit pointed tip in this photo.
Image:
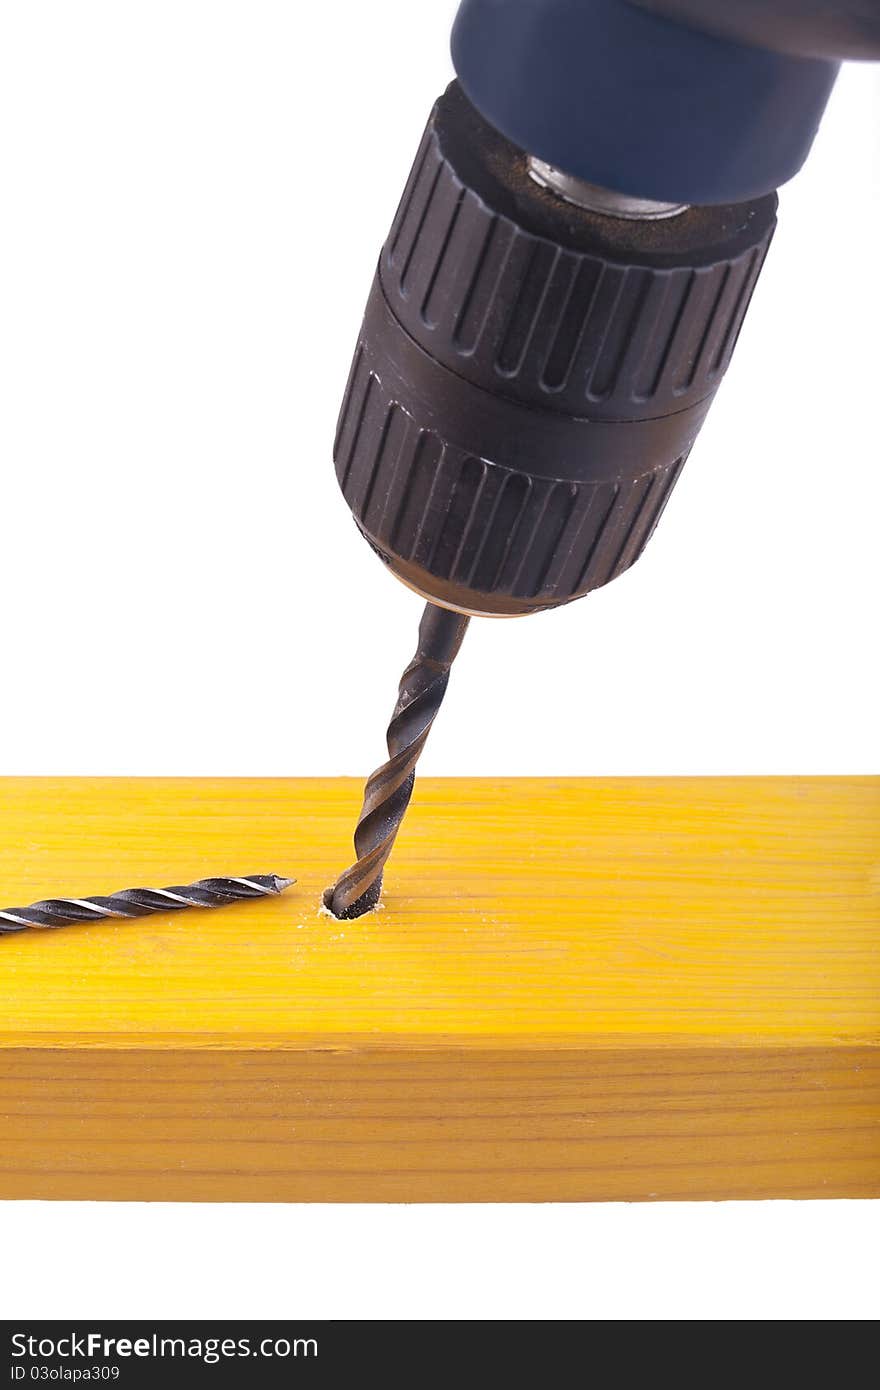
(281, 884)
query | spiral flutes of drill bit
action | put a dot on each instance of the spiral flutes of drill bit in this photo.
(142, 902)
(389, 789)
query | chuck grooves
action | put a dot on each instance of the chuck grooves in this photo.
(570, 329)
(476, 527)
(530, 376)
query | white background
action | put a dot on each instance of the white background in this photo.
(194, 195)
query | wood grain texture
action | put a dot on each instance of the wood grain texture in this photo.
(575, 989)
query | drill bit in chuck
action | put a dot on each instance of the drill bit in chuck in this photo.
(388, 791)
(141, 902)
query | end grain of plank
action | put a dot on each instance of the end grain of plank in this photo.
(575, 989)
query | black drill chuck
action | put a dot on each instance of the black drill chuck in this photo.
(532, 373)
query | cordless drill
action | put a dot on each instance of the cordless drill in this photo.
(558, 300)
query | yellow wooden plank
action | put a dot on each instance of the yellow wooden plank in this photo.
(454, 1124)
(575, 990)
(733, 910)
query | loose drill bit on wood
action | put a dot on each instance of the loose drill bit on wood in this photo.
(141, 902)
(388, 791)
